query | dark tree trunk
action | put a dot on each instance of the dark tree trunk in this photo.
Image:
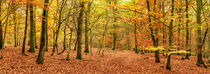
(32, 29)
(157, 59)
(40, 59)
(15, 25)
(114, 26)
(79, 31)
(25, 31)
(135, 25)
(87, 28)
(199, 54)
(168, 65)
(1, 34)
(187, 31)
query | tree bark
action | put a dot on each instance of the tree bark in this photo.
(187, 31)
(1, 34)
(114, 26)
(87, 28)
(55, 45)
(40, 59)
(15, 25)
(25, 31)
(168, 65)
(79, 31)
(135, 25)
(32, 29)
(64, 41)
(198, 17)
(157, 59)
(67, 58)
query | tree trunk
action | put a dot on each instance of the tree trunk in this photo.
(5, 29)
(1, 34)
(187, 30)
(40, 59)
(157, 59)
(168, 65)
(164, 32)
(75, 46)
(55, 45)
(91, 42)
(67, 58)
(136, 47)
(36, 46)
(114, 26)
(25, 31)
(87, 28)
(64, 41)
(79, 31)
(32, 29)
(199, 54)
(46, 36)
(15, 25)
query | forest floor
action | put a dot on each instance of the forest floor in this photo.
(118, 61)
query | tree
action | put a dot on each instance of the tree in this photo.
(67, 58)
(15, 22)
(25, 32)
(199, 39)
(157, 59)
(114, 26)
(87, 27)
(187, 30)
(55, 45)
(79, 31)
(40, 59)
(168, 65)
(1, 33)
(135, 25)
(32, 29)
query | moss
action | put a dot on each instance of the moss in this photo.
(79, 57)
(86, 51)
(31, 50)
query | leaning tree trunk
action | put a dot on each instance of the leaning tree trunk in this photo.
(40, 59)
(25, 32)
(168, 65)
(64, 41)
(79, 31)
(55, 45)
(32, 29)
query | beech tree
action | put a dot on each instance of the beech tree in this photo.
(40, 59)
